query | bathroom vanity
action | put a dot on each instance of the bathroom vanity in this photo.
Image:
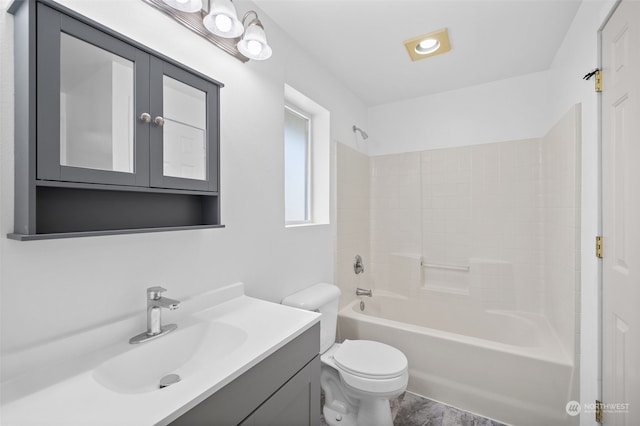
(240, 360)
(284, 389)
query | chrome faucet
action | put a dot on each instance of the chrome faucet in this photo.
(364, 292)
(155, 303)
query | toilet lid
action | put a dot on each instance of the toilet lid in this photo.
(370, 359)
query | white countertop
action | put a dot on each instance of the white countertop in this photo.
(67, 393)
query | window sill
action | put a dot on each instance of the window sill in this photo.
(304, 224)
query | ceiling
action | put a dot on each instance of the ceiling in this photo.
(361, 41)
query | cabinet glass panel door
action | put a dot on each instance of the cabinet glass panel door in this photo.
(96, 107)
(184, 129)
(92, 87)
(184, 135)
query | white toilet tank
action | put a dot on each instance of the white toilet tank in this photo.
(321, 297)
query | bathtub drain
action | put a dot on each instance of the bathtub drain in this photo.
(362, 305)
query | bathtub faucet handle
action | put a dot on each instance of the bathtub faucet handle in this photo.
(358, 265)
(364, 292)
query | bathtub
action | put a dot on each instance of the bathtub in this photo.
(505, 365)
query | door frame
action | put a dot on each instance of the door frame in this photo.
(600, 270)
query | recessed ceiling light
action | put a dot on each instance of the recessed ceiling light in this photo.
(428, 44)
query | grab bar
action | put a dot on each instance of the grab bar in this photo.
(462, 268)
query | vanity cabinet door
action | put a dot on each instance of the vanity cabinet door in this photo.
(184, 129)
(91, 89)
(291, 404)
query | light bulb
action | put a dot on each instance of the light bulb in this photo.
(253, 44)
(222, 19)
(254, 47)
(428, 45)
(224, 23)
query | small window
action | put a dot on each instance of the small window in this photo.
(307, 161)
(297, 162)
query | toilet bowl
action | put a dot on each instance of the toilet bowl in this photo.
(358, 377)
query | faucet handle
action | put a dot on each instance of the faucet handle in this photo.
(155, 293)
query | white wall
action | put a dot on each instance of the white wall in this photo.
(53, 288)
(505, 110)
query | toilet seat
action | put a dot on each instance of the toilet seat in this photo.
(370, 360)
(368, 368)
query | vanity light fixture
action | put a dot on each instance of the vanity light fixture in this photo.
(222, 19)
(218, 22)
(253, 44)
(428, 45)
(185, 5)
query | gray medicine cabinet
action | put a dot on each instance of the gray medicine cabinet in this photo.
(111, 137)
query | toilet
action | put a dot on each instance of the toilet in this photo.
(358, 377)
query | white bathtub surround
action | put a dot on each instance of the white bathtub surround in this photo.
(51, 386)
(500, 364)
(560, 153)
(352, 224)
(407, 269)
(455, 204)
(452, 278)
(492, 283)
(395, 212)
(510, 207)
(497, 226)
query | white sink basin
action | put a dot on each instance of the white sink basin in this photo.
(97, 378)
(181, 352)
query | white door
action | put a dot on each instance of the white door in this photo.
(621, 216)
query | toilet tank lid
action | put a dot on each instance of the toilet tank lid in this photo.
(312, 298)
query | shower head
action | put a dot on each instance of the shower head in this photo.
(362, 132)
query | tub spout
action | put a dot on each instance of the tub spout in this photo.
(364, 292)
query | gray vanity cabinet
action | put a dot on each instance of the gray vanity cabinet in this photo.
(282, 390)
(291, 404)
(111, 137)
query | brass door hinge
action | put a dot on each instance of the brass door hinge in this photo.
(598, 80)
(598, 411)
(599, 247)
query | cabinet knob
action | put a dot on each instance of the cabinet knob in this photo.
(159, 121)
(145, 117)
